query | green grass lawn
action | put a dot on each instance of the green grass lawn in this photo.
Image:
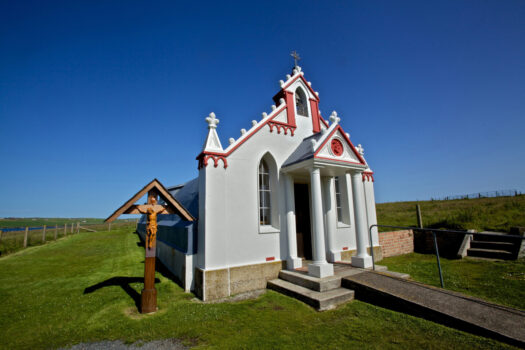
(44, 305)
(493, 214)
(501, 282)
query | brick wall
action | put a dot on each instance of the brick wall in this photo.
(396, 242)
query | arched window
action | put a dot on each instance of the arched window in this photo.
(300, 102)
(265, 209)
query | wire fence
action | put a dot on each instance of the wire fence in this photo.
(13, 239)
(491, 194)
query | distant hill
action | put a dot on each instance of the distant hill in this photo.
(491, 214)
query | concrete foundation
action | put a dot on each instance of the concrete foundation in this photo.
(222, 283)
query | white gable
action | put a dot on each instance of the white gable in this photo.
(330, 149)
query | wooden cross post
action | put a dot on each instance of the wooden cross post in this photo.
(151, 209)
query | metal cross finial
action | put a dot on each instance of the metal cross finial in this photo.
(295, 56)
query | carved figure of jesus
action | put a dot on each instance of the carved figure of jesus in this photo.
(151, 209)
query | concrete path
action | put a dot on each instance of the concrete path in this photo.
(439, 305)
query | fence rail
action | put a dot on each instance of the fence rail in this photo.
(491, 194)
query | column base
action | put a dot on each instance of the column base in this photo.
(363, 262)
(333, 257)
(294, 263)
(321, 270)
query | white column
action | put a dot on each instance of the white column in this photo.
(331, 218)
(319, 267)
(292, 261)
(371, 210)
(362, 259)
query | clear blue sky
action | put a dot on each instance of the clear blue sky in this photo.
(99, 97)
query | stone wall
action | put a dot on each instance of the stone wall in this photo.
(346, 255)
(448, 243)
(396, 242)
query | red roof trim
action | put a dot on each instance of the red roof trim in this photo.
(347, 140)
(305, 83)
(261, 125)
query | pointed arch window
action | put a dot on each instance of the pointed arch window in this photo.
(265, 206)
(300, 102)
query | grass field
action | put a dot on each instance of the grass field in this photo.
(84, 288)
(492, 214)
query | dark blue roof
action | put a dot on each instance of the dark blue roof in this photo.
(304, 151)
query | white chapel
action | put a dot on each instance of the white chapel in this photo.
(292, 192)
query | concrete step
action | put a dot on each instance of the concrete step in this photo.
(490, 253)
(320, 301)
(506, 246)
(495, 237)
(313, 283)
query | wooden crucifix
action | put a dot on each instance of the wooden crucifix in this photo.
(151, 209)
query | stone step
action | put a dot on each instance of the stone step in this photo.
(506, 246)
(495, 237)
(490, 253)
(317, 284)
(320, 301)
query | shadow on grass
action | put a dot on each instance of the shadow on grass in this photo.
(124, 283)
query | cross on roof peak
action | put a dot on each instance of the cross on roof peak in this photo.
(295, 56)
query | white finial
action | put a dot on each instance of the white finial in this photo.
(281, 101)
(334, 118)
(274, 107)
(314, 143)
(281, 82)
(212, 121)
(212, 143)
(264, 114)
(232, 140)
(254, 122)
(243, 131)
(347, 135)
(288, 76)
(298, 68)
(310, 83)
(360, 149)
(294, 71)
(317, 93)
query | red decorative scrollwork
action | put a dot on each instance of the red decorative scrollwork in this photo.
(281, 126)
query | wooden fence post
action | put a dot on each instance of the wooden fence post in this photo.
(72, 229)
(65, 229)
(419, 219)
(0, 235)
(109, 226)
(78, 227)
(44, 234)
(56, 231)
(25, 237)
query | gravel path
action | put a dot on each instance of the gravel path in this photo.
(166, 344)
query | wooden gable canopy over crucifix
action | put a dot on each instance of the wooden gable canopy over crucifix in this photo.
(154, 190)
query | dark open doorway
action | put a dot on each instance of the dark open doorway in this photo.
(302, 221)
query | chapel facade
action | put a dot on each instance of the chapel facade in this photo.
(292, 192)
